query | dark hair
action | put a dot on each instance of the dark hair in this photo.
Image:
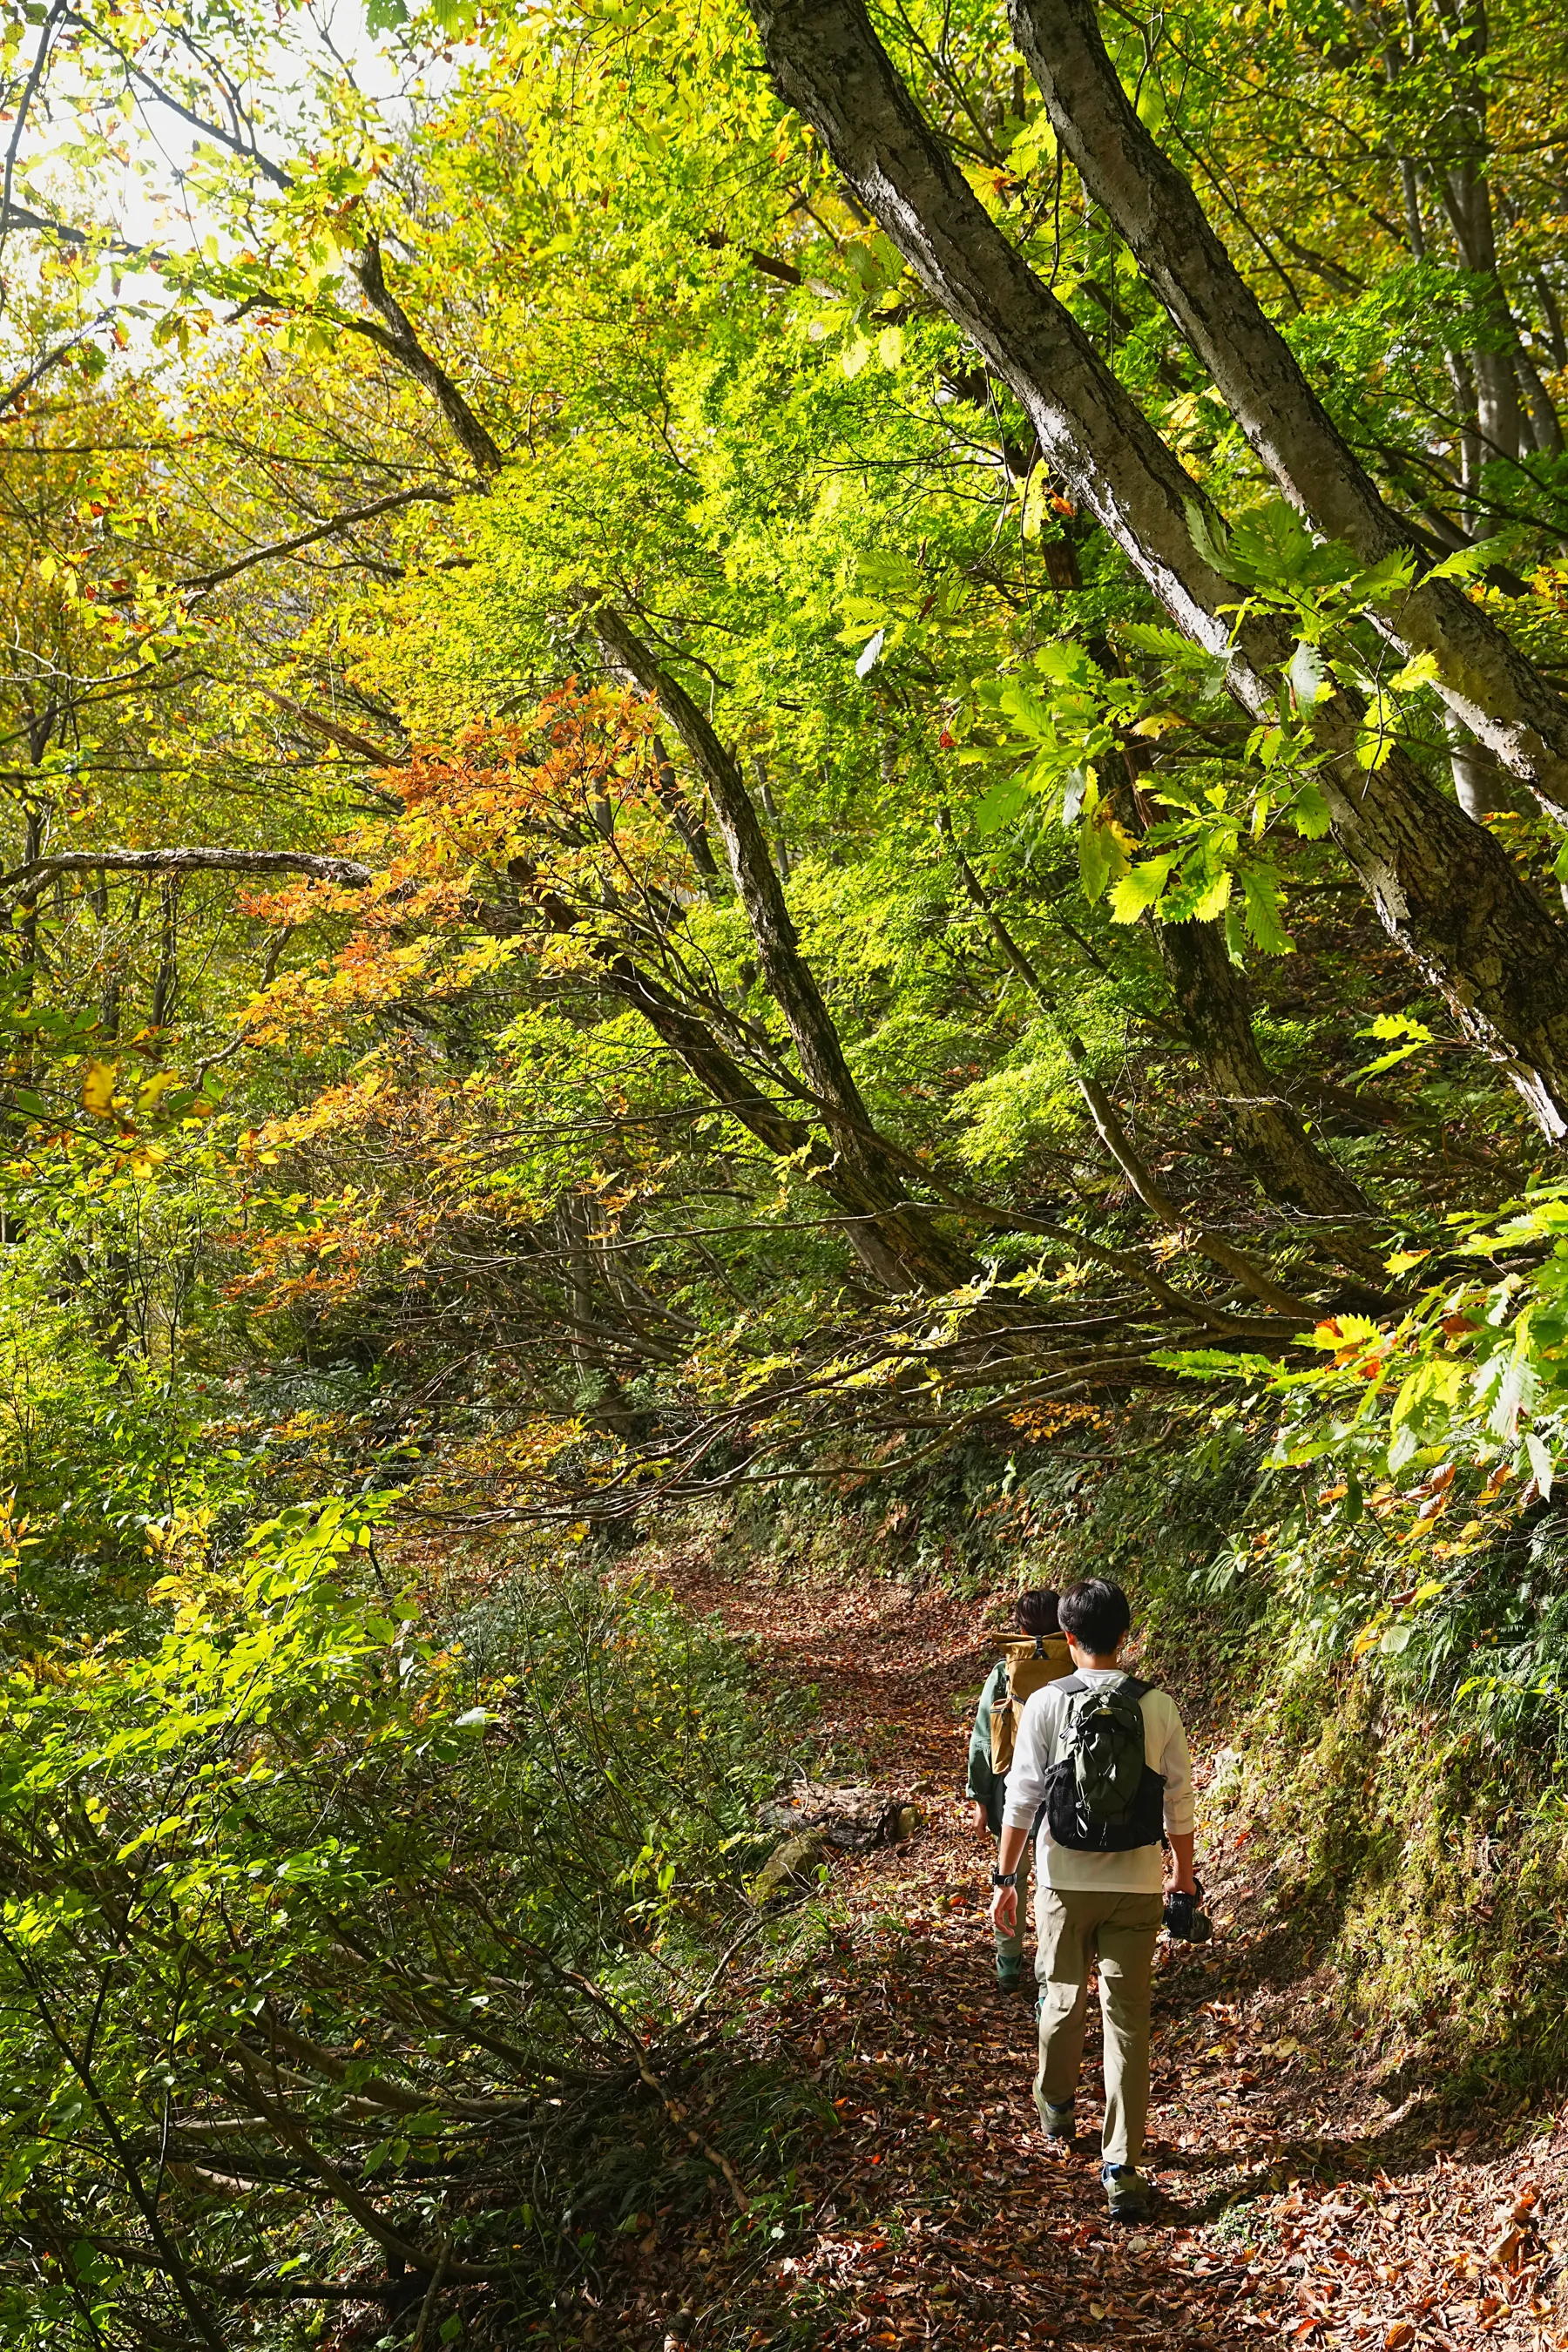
(1096, 1614)
(1036, 1613)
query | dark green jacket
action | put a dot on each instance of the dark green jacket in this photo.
(990, 1788)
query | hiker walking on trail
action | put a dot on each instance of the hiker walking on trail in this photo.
(1102, 1760)
(1039, 1657)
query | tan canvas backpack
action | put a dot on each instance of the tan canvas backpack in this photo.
(1030, 1665)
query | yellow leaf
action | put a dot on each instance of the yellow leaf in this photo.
(98, 1087)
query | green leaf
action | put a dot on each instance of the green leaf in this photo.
(1094, 858)
(1392, 575)
(1208, 1363)
(1000, 806)
(1140, 888)
(1211, 539)
(1153, 638)
(1463, 564)
(1311, 814)
(1261, 887)
(1215, 899)
(1374, 744)
(1420, 671)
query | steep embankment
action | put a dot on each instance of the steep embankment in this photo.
(1298, 2205)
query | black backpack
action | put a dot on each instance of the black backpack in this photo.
(1103, 1797)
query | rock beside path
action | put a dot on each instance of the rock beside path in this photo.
(845, 1814)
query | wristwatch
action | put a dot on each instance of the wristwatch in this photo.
(1004, 1878)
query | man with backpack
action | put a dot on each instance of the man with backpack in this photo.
(1026, 1664)
(1102, 1761)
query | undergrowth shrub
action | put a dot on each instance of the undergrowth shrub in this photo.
(345, 1964)
(1396, 1706)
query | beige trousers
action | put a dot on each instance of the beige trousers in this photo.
(1076, 1928)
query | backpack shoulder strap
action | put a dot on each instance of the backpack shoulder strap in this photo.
(1134, 1689)
(1069, 1684)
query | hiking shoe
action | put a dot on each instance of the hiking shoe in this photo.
(1057, 2123)
(1126, 2191)
(1009, 1974)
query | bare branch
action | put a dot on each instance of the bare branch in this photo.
(426, 493)
(399, 339)
(333, 732)
(248, 153)
(24, 883)
(46, 39)
(24, 383)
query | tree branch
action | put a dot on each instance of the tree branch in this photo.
(426, 493)
(333, 732)
(398, 339)
(23, 883)
(24, 383)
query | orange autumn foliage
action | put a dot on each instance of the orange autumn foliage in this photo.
(566, 801)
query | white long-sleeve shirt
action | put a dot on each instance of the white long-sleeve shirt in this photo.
(1042, 1742)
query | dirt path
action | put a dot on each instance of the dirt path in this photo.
(1298, 2207)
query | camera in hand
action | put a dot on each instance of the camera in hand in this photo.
(1185, 1920)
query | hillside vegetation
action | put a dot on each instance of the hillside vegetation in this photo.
(780, 780)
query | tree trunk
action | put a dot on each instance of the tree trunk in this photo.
(933, 1263)
(108, 1011)
(878, 1237)
(770, 810)
(1443, 887)
(165, 986)
(1211, 1000)
(1510, 426)
(693, 833)
(1491, 684)
(28, 926)
(1480, 787)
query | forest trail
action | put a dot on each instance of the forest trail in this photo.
(1299, 2206)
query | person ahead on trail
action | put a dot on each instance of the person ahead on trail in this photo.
(1039, 1657)
(1102, 1760)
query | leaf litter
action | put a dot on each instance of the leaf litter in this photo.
(1297, 2206)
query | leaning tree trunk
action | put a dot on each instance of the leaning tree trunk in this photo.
(879, 1235)
(925, 1256)
(1212, 1007)
(1444, 889)
(1484, 678)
